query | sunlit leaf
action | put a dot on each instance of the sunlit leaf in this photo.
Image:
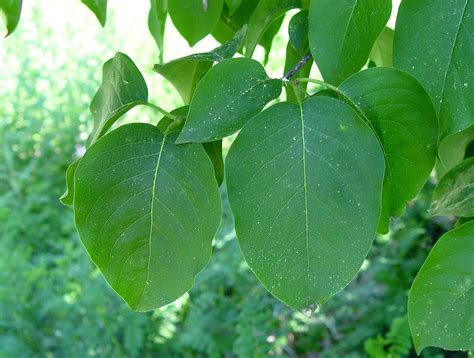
(10, 10)
(68, 197)
(382, 51)
(99, 8)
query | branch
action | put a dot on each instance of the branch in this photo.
(298, 66)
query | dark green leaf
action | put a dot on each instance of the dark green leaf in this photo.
(123, 87)
(268, 36)
(454, 194)
(382, 51)
(157, 22)
(441, 301)
(434, 42)
(266, 12)
(230, 23)
(192, 19)
(343, 32)
(68, 197)
(403, 117)
(214, 151)
(99, 8)
(11, 11)
(305, 202)
(233, 5)
(298, 32)
(146, 210)
(226, 98)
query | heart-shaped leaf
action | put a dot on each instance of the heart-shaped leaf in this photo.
(343, 32)
(11, 10)
(99, 8)
(403, 117)
(220, 108)
(441, 301)
(454, 194)
(305, 200)
(146, 210)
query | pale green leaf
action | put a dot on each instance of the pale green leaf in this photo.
(99, 8)
(452, 150)
(402, 115)
(382, 51)
(306, 203)
(10, 10)
(454, 194)
(146, 210)
(343, 32)
(434, 42)
(230, 94)
(441, 301)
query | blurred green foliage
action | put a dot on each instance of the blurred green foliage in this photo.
(54, 303)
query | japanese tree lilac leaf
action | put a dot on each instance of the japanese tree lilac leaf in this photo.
(221, 107)
(266, 12)
(157, 22)
(441, 299)
(123, 87)
(146, 210)
(266, 41)
(454, 194)
(452, 150)
(10, 10)
(230, 23)
(185, 73)
(305, 199)
(233, 5)
(401, 112)
(192, 19)
(382, 51)
(99, 8)
(68, 197)
(298, 32)
(343, 32)
(434, 42)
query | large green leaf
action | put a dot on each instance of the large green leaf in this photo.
(343, 32)
(266, 12)
(123, 87)
(99, 8)
(185, 73)
(230, 94)
(146, 210)
(454, 194)
(306, 201)
(441, 301)
(157, 22)
(434, 42)
(192, 19)
(10, 11)
(382, 52)
(402, 115)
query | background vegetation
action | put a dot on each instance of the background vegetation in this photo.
(54, 303)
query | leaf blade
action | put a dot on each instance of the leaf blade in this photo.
(11, 10)
(99, 8)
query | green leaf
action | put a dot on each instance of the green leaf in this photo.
(400, 111)
(99, 8)
(146, 210)
(298, 32)
(266, 41)
(306, 205)
(192, 19)
(214, 151)
(292, 59)
(10, 11)
(230, 94)
(230, 23)
(454, 194)
(157, 22)
(441, 300)
(266, 12)
(68, 197)
(434, 42)
(382, 51)
(452, 150)
(343, 32)
(185, 73)
(233, 5)
(123, 87)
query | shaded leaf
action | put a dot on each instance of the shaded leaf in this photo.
(298, 32)
(452, 150)
(441, 300)
(10, 11)
(191, 18)
(454, 194)
(146, 210)
(221, 107)
(382, 51)
(99, 8)
(403, 117)
(214, 151)
(157, 22)
(292, 59)
(343, 32)
(68, 197)
(306, 205)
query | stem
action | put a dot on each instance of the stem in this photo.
(165, 113)
(319, 82)
(298, 66)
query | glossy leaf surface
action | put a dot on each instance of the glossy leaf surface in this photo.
(343, 32)
(305, 201)
(441, 301)
(220, 108)
(146, 210)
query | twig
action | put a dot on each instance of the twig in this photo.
(298, 66)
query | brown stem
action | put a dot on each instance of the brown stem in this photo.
(298, 66)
